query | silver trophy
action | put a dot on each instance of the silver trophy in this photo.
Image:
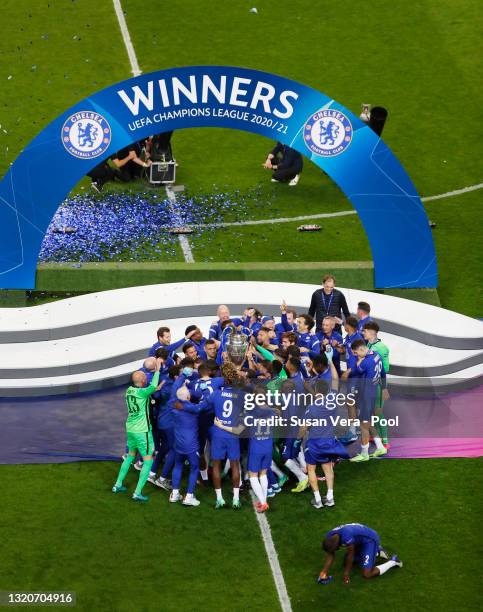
(237, 347)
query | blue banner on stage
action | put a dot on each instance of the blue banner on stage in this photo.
(215, 96)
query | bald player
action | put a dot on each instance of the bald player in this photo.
(223, 314)
(138, 429)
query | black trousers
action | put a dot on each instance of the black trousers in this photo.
(103, 173)
(130, 171)
(286, 174)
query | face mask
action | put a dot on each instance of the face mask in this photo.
(187, 371)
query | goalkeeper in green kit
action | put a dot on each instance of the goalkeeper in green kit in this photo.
(138, 429)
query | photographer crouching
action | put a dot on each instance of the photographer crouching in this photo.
(287, 164)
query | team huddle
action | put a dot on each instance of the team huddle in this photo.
(264, 414)
(191, 405)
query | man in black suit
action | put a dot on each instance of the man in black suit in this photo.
(328, 301)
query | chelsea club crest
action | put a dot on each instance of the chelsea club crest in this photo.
(328, 132)
(86, 134)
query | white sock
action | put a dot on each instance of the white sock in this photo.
(294, 467)
(219, 494)
(276, 470)
(257, 488)
(317, 496)
(364, 449)
(161, 479)
(175, 492)
(330, 494)
(378, 443)
(383, 554)
(384, 567)
(264, 483)
(152, 474)
(301, 459)
(236, 494)
(189, 495)
(204, 474)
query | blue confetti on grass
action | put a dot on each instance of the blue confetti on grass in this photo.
(135, 226)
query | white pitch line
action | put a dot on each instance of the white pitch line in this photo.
(450, 194)
(273, 560)
(342, 213)
(127, 38)
(279, 220)
(183, 240)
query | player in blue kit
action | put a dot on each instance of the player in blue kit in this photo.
(227, 403)
(164, 341)
(308, 342)
(196, 339)
(291, 450)
(186, 444)
(329, 337)
(323, 369)
(288, 322)
(223, 314)
(371, 377)
(322, 447)
(362, 546)
(204, 386)
(350, 326)
(165, 450)
(260, 449)
(260, 445)
(363, 315)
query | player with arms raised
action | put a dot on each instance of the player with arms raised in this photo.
(139, 431)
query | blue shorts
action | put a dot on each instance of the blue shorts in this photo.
(324, 452)
(366, 403)
(259, 461)
(225, 448)
(289, 449)
(366, 554)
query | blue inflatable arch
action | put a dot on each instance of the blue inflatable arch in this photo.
(215, 96)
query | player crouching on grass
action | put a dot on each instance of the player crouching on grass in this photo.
(362, 546)
(138, 430)
(322, 447)
(370, 377)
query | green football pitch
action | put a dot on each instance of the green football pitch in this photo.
(61, 527)
(420, 60)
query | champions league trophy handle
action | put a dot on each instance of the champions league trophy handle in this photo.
(237, 347)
